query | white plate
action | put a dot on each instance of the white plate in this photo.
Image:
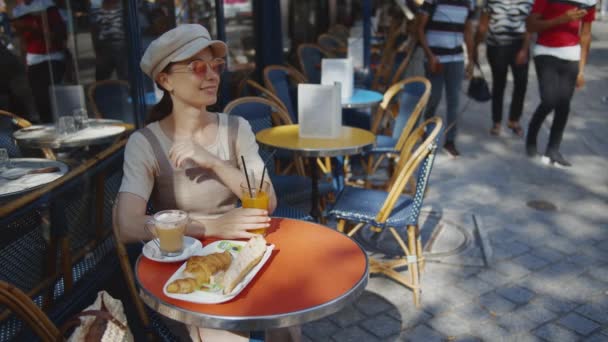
(216, 295)
(191, 247)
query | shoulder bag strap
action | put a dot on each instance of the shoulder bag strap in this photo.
(164, 166)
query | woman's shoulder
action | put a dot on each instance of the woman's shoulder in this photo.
(139, 137)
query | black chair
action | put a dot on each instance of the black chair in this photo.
(111, 99)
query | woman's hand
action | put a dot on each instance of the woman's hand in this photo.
(521, 57)
(235, 223)
(580, 80)
(184, 151)
(435, 66)
(572, 15)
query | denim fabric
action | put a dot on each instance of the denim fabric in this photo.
(556, 81)
(451, 76)
(501, 58)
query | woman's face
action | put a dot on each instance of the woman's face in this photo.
(195, 81)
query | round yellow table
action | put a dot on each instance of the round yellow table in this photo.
(352, 140)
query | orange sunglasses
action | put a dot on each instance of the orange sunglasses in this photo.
(200, 67)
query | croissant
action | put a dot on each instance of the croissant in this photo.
(199, 270)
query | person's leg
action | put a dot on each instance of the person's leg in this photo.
(548, 77)
(40, 79)
(437, 81)
(103, 62)
(454, 73)
(520, 84)
(498, 57)
(568, 71)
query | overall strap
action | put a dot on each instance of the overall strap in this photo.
(233, 133)
(164, 166)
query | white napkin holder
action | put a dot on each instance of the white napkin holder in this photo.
(355, 51)
(319, 110)
(338, 70)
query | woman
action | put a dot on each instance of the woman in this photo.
(507, 46)
(560, 55)
(186, 157)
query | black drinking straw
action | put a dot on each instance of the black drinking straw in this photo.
(264, 170)
(247, 176)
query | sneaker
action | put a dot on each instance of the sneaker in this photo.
(556, 158)
(495, 130)
(531, 150)
(451, 149)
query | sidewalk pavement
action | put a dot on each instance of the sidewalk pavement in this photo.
(547, 276)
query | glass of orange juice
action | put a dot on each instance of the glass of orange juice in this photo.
(257, 198)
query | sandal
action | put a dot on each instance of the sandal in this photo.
(516, 129)
(495, 130)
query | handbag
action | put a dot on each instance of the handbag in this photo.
(478, 87)
(104, 320)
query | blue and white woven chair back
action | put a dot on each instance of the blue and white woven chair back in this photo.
(418, 162)
(8, 125)
(414, 96)
(282, 81)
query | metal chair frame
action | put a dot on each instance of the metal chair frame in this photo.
(23, 123)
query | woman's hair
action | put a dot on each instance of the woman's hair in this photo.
(164, 107)
(160, 110)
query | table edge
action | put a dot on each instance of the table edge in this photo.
(254, 323)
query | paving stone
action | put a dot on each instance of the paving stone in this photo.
(491, 332)
(595, 311)
(554, 333)
(516, 294)
(409, 317)
(578, 323)
(563, 245)
(547, 253)
(556, 305)
(583, 288)
(598, 337)
(496, 304)
(319, 329)
(600, 273)
(421, 333)
(370, 304)
(536, 313)
(512, 270)
(354, 334)
(493, 277)
(475, 286)
(347, 316)
(516, 324)
(530, 261)
(466, 339)
(382, 326)
(451, 325)
(564, 268)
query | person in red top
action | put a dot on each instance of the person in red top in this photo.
(560, 55)
(44, 48)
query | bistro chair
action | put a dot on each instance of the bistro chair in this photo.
(389, 210)
(111, 99)
(9, 123)
(397, 115)
(26, 311)
(253, 88)
(385, 66)
(149, 319)
(340, 31)
(332, 44)
(291, 189)
(309, 57)
(283, 82)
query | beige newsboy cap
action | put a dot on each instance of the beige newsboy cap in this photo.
(177, 45)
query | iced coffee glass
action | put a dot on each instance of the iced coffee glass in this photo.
(169, 227)
(257, 198)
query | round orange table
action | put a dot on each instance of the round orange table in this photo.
(314, 271)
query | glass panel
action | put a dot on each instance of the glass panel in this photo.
(238, 16)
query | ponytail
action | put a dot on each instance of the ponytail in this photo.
(160, 110)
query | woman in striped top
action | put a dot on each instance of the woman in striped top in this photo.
(560, 55)
(508, 43)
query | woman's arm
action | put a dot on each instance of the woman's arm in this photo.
(585, 45)
(536, 23)
(480, 35)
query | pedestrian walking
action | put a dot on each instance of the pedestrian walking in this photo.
(443, 26)
(560, 55)
(503, 25)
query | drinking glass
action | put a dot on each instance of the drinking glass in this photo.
(169, 227)
(256, 198)
(5, 161)
(65, 125)
(81, 118)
